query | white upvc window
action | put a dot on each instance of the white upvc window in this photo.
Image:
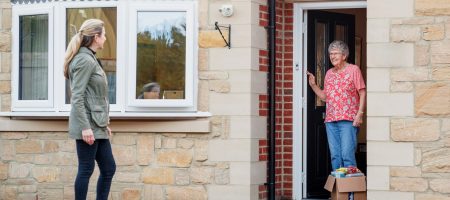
(161, 53)
(149, 43)
(72, 15)
(32, 59)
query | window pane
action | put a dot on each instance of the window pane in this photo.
(161, 54)
(108, 56)
(341, 32)
(33, 57)
(321, 57)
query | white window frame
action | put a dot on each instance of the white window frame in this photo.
(186, 104)
(60, 47)
(31, 105)
(126, 106)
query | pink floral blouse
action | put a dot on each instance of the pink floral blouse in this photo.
(342, 97)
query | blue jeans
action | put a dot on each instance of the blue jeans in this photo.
(342, 141)
(101, 152)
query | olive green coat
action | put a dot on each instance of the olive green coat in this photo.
(89, 97)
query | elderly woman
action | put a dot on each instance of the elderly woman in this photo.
(345, 95)
(150, 91)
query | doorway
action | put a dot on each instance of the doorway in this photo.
(316, 25)
(323, 28)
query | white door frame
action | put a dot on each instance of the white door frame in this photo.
(299, 95)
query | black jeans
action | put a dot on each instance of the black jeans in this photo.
(101, 152)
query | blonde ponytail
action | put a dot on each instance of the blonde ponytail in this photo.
(87, 30)
(72, 49)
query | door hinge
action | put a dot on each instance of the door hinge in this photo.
(303, 102)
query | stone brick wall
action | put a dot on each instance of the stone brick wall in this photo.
(283, 96)
(408, 99)
(221, 164)
(263, 98)
(5, 55)
(149, 166)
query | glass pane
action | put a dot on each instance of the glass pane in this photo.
(161, 55)
(108, 56)
(321, 57)
(340, 33)
(33, 57)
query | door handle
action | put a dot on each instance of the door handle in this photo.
(323, 115)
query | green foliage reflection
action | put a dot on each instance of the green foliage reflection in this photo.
(161, 58)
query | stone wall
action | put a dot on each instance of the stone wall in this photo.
(408, 99)
(220, 164)
(149, 166)
(284, 99)
(235, 96)
(5, 55)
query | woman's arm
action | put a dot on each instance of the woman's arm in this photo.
(312, 82)
(81, 74)
(362, 102)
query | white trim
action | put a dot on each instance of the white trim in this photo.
(297, 104)
(29, 105)
(186, 104)
(299, 114)
(59, 53)
(333, 5)
(113, 115)
(122, 56)
(305, 99)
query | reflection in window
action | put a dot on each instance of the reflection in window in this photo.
(341, 33)
(321, 57)
(107, 56)
(33, 57)
(161, 53)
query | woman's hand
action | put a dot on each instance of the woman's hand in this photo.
(358, 119)
(88, 136)
(311, 79)
(109, 131)
(312, 82)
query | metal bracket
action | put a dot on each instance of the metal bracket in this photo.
(228, 43)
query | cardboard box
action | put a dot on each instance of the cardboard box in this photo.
(340, 187)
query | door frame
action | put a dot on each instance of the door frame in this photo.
(299, 95)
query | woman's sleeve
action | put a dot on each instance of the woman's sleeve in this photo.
(358, 79)
(81, 74)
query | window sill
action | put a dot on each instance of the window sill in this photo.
(120, 122)
(112, 115)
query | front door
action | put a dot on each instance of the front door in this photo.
(323, 28)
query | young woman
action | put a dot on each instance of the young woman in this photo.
(89, 116)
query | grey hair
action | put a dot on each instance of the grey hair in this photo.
(150, 86)
(341, 46)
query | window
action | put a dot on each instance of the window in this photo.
(32, 71)
(161, 48)
(149, 55)
(75, 17)
(33, 57)
(160, 53)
